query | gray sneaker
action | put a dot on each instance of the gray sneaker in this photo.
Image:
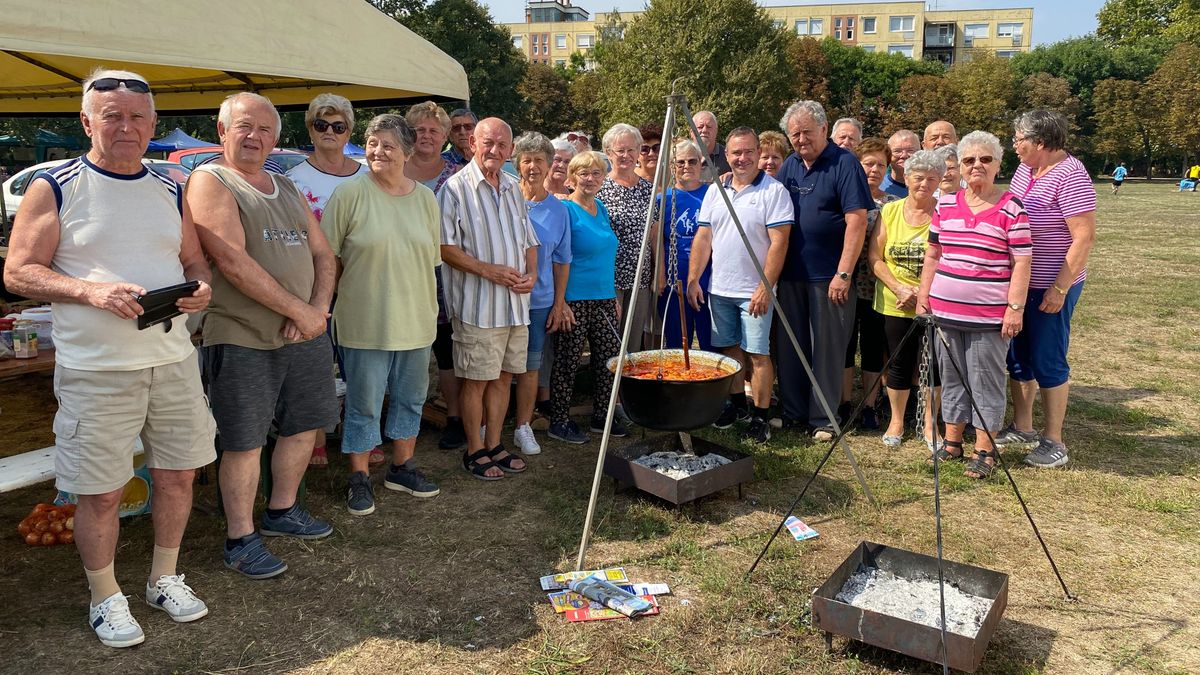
(1048, 455)
(411, 480)
(360, 498)
(1012, 439)
(295, 522)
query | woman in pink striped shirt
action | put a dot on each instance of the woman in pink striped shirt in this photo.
(974, 281)
(1061, 200)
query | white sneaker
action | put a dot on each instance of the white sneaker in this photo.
(113, 623)
(175, 598)
(523, 438)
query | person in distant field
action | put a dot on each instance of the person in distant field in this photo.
(847, 133)
(739, 302)
(462, 125)
(1193, 174)
(939, 133)
(490, 251)
(902, 144)
(91, 234)
(1118, 177)
(267, 352)
(706, 124)
(329, 120)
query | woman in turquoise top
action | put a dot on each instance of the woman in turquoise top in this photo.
(590, 294)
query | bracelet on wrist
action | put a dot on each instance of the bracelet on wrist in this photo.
(1060, 291)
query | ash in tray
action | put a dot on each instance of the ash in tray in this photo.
(679, 465)
(914, 600)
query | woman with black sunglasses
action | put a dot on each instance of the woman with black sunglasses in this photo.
(647, 161)
(329, 120)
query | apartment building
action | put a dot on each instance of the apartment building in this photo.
(555, 29)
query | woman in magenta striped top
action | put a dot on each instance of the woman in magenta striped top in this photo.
(1061, 200)
(974, 281)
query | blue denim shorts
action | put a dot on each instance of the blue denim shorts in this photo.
(371, 373)
(733, 325)
(537, 338)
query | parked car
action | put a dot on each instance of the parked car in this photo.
(194, 157)
(15, 187)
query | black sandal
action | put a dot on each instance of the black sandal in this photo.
(979, 465)
(944, 455)
(479, 468)
(506, 463)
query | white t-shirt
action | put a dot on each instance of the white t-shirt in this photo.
(763, 204)
(116, 227)
(316, 186)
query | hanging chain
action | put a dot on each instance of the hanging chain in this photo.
(923, 385)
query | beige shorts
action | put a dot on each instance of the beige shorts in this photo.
(481, 353)
(102, 413)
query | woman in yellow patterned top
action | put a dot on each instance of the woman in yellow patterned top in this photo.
(896, 256)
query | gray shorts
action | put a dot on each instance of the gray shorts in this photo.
(980, 357)
(248, 388)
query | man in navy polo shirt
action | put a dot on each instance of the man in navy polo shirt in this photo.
(830, 195)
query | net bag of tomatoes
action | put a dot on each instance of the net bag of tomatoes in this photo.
(48, 525)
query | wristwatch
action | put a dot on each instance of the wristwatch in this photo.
(1016, 306)
(844, 276)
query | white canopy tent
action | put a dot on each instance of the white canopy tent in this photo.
(196, 53)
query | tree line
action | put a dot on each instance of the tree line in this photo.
(1131, 91)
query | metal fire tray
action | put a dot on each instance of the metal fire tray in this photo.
(900, 635)
(619, 464)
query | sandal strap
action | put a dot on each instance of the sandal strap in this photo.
(474, 458)
(952, 444)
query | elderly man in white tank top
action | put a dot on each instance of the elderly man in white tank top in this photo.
(92, 235)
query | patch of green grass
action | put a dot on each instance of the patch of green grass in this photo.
(551, 658)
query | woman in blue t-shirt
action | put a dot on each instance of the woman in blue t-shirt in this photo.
(682, 205)
(590, 295)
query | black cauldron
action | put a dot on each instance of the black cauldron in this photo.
(675, 405)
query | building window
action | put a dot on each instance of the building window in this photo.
(849, 33)
(519, 41)
(816, 26)
(777, 24)
(560, 41)
(837, 33)
(1009, 29)
(868, 24)
(976, 30)
(560, 63)
(837, 23)
(870, 49)
(902, 50)
(1006, 53)
(801, 26)
(584, 41)
(849, 22)
(900, 24)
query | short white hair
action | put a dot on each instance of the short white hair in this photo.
(225, 113)
(928, 161)
(847, 120)
(101, 73)
(617, 131)
(811, 108)
(563, 145)
(686, 146)
(982, 139)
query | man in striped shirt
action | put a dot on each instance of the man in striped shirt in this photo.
(490, 249)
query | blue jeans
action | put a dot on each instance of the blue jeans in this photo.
(537, 338)
(371, 373)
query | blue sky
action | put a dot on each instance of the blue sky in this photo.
(1053, 20)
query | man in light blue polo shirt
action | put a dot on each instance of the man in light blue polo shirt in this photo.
(903, 144)
(830, 194)
(738, 300)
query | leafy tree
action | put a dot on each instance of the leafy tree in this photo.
(1122, 131)
(1185, 23)
(1127, 22)
(807, 59)
(400, 10)
(989, 91)
(464, 30)
(585, 103)
(922, 99)
(866, 84)
(726, 53)
(547, 101)
(1043, 90)
(1173, 92)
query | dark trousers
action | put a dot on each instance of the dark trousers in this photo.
(823, 330)
(595, 325)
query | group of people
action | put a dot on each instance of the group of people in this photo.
(429, 250)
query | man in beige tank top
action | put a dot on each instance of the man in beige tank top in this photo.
(266, 351)
(93, 234)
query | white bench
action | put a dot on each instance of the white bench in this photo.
(25, 469)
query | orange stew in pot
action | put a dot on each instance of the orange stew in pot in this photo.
(673, 370)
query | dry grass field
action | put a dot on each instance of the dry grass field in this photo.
(449, 585)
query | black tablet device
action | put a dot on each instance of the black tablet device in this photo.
(159, 304)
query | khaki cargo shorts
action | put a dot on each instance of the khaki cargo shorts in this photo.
(481, 353)
(102, 413)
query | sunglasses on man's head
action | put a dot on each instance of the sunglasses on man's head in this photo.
(647, 148)
(111, 83)
(322, 126)
(970, 161)
(577, 137)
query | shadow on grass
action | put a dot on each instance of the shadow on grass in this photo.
(1016, 647)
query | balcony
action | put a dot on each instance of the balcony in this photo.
(939, 35)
